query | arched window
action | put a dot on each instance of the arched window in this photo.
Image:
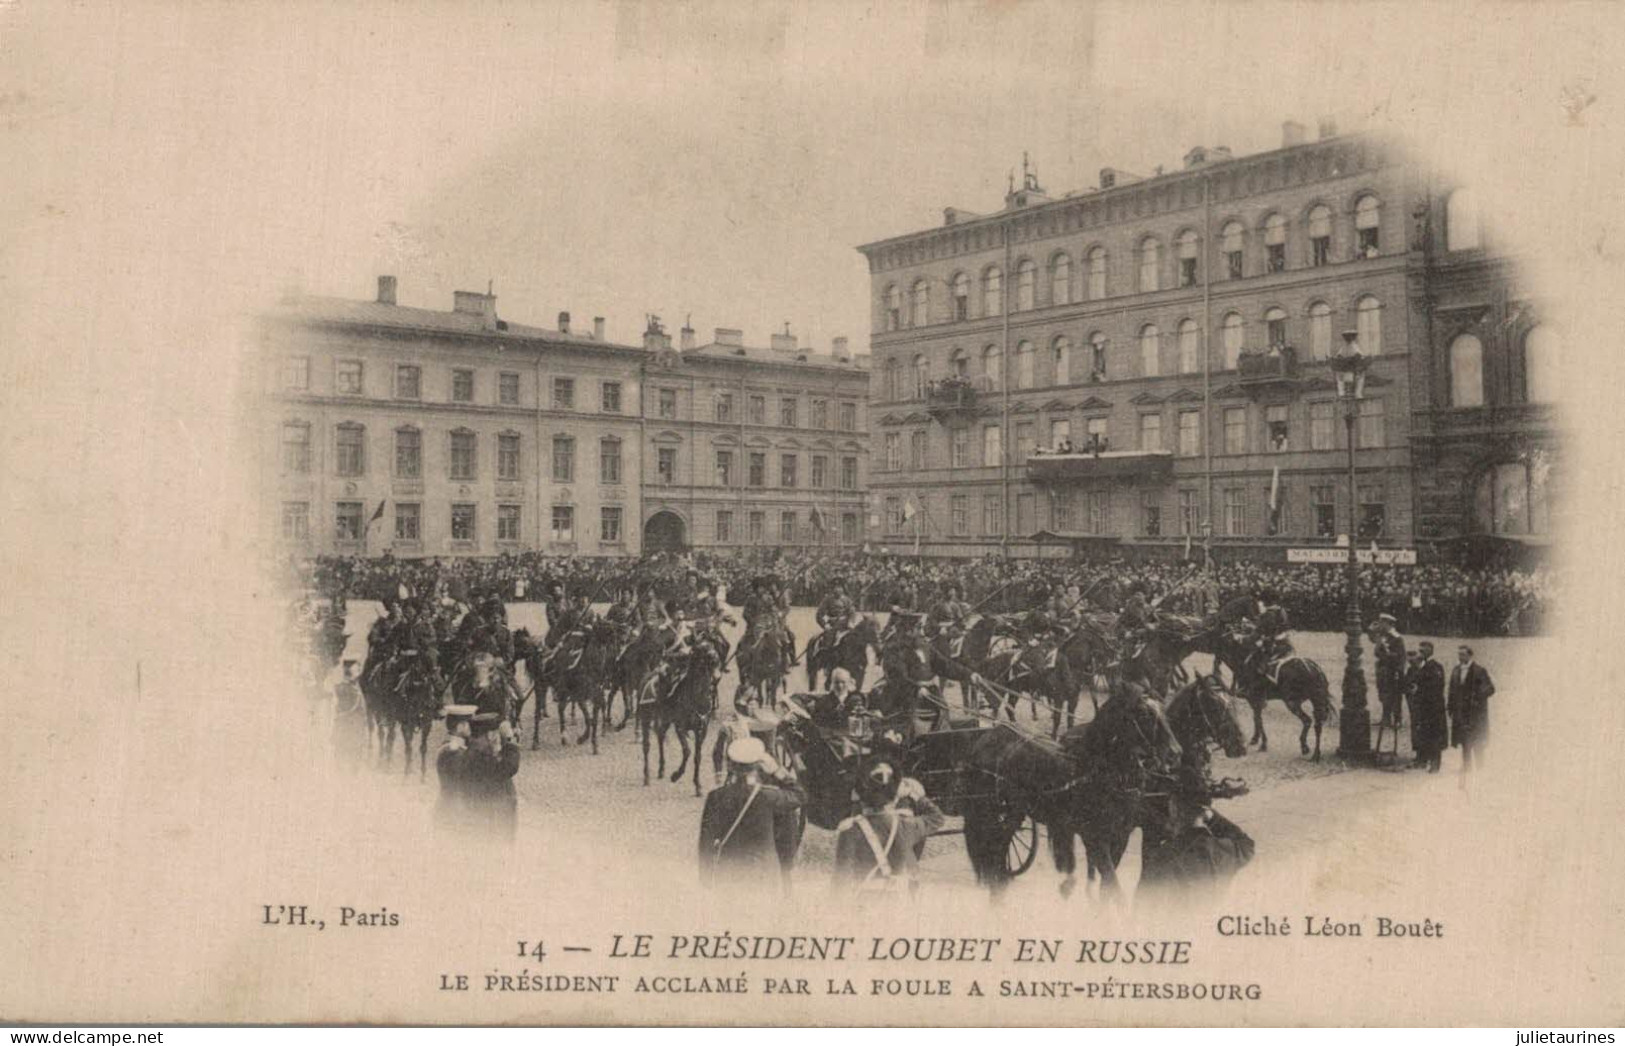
(1232, 334)
(992, 291)
(1060, 279)
(960, 363)
(1097, 274)
(1320, 331)
(1320, 235)
(1367, 238)
(961, 293)
(1511, 499)
(1466, 372)
(1150, 350)
(1024, 365)
(921, 314)
(894, 308)
(1541, 349)
(1061, 360)
(1150, 263)
(1461, 226)
(1368, 322)
(1097, 356)
(1275, 243)
(1026, 284)
(1190, 347)
(922, 375)
(1233, 241)
(1275, 328)
(993, 366)
(1188, 247)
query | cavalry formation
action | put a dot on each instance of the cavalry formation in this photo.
(981, 706)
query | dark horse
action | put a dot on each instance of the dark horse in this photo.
(681, 696)
(1297, 680)
(848, 650)
(763, 664)
(528, 650)
(580, 677)
(970, 658)
(414, 703)
(637, 660)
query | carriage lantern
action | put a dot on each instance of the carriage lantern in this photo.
(1354, 724)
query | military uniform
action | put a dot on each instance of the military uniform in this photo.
(748, 826)
(477, 792)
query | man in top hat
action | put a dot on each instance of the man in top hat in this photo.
(1430, 727)
(1469, 706)
(750, 822)
(480, 774)
(1388, 651)
(878, 849)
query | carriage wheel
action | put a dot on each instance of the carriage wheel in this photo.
(1023, 848)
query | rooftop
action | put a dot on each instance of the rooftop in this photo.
(346, 311)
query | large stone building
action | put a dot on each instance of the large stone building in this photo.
(750, 446)
(1182, 324)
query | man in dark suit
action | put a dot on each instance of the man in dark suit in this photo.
(1430, 728)
(1389, 654)
(751, 819)
(1469, 706)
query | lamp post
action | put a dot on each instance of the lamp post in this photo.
(1354, 724)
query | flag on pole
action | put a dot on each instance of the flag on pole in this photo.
(1275, 500)
(908, 509)
(817, 519)
(1187, 546)
(377, 513)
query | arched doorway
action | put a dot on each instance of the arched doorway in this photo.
(665, 532)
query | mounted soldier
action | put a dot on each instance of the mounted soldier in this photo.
(837, 615)
(1137, 620)
(949, 617)
(1271, 645)
(910, 686)
(765, 611)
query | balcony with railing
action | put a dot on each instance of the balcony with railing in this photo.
(1096, 460)
(954, 397)
(1273, 369)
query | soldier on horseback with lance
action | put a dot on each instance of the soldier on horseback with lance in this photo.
(1271, 645)
(764, 614)
(950, 617)
(837, 615)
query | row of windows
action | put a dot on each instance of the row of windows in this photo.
(1325, 432)
(349, 379)
(724, 409)
(1156, 352)
(756, 470)
(1243, 512)
(791, 528)
(1541, 348)
(350, 527)
(350, 454)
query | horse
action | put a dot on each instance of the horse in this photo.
(684, 702)
(526, 649)
(848, 650)
(1087, 651)
(580, 672)
(637, 659)
(763, 664)
(414, 705)
(1297, 680)
(975, 648)
(1160, 659)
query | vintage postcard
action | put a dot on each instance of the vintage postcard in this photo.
(1017, 513)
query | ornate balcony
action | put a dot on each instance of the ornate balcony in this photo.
(1273, 370)
(955, 397)
(1106, 464)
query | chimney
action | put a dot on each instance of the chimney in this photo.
(838, 349)
(730, 336)
(1293, 133)
(785, 342)
(1108, 177)
(688, 337)
(656, 340)
(474, 303)
(597, 328)
(564, 323)
(1328, 128)
(386, 290)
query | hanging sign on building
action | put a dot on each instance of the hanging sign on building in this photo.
(1382, 556)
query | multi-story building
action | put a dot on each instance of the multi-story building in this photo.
(434, 433)
(1181, 325)
(751, 447)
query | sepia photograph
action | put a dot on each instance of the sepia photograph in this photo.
(962, 512)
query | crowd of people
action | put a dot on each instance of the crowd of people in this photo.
(1433, 599)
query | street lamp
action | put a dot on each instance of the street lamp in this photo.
(1349, 368)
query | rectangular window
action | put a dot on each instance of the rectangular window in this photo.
(1099, 512)
(1369, 429)
(1323, 425)
(787, 470)
(296, 448)
(564, 523)
(916, 449)
(992, 515)
(787, 413)
(564, 393)
(564, 459)
(507, 522)
(820, 414)
(959, 448)
(408, 521)
(296, 521)
(1235, 430)
(725, 525)
(462, 386)
(820, 472)
(508, 457)
(347, 377)
(894, 515)
(667, 403)
(1026, 514)
(992, 445)
(758, 410)
(725, 468)
(296, 373)
(849, 528)
(1060, 511)
(1026, 443)
(1150, 431)
(1373, 513)
(1276, 430)
(666, 465)
(725, 407)
(609, 397)
(893, 450)
(1095, 430)
(609, 524)
(1190, 433)
(849, 473)
(1189, 521)
(508, 389)
(347, 521)
(462, 522)
(352, 450)
(1323, 502)
(1151, 514)
(408, 382)
(1235, 512)
(849, 417)
(1060, 431)
(1232, 264)
(787, 526)
(609, 461)
(463, 455)
(959, 514)
(758, 527)
(758, 470)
